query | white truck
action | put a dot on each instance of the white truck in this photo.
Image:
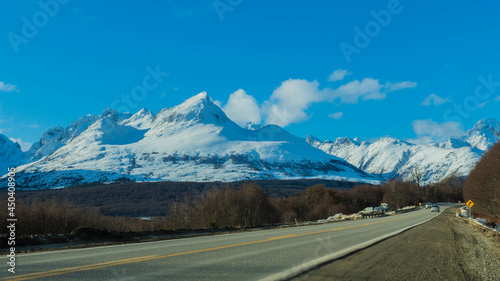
(374, 211)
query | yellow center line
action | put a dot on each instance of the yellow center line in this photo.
(85, 267)
(153, 257)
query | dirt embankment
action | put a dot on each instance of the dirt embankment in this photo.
(445, 248)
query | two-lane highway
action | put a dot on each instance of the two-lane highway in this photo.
(250, 255)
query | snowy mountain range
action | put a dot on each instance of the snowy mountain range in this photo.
(390, 158)
(194, 141)
(10, 153)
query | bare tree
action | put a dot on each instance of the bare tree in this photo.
(482, 185)
(416, 176)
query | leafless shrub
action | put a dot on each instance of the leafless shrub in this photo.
(482, 186)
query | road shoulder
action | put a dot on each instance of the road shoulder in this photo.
(445, 248)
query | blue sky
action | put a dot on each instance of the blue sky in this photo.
(414, 70)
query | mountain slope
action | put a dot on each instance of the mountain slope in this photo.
(10, 154)
(483, 135)
(391, 158)
(57, 137)
(194, 141)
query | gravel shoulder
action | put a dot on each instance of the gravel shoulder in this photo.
(445, 248)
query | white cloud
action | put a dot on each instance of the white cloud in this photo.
(497, 98)
(431, 131)
(34, 126)
(434, 99)
(338, 75)
(7, 130)
(4, 87)
(481, 105)
(421, 140)
(336, 115)
(368, 89)
(391, 87)
(24, 145)
(242, 108)
(218, 103)
(290, 100)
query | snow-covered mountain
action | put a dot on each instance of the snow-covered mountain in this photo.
(483, 135)
(391, 158)
(194, 141)
(10, 154)
(57, 137)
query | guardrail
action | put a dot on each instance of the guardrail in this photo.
(372, 215)
(401, 211)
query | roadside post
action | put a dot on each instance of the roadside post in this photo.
(470, 204)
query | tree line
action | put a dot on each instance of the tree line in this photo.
(232, 207)
(482, 186)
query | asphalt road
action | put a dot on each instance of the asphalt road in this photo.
(250, 255)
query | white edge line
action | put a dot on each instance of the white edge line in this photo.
(295, 271)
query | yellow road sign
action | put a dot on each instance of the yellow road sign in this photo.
(470, 203)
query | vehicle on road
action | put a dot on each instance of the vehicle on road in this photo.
(435, 208)
(370, 212)
(428, 205)
(384, 207)
(367, 210)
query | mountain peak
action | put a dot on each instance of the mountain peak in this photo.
(197, 108)
(141, 120)
(200, 100)
(484, 134)
(486, 124)
(5, 141)
(143, 111)
(252, 126)
(202, 95)
(10, 153)
(312, 140)
(345, 141)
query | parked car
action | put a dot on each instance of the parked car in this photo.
(428, 205)
(367, 210)
(435, 208)
(384, 207)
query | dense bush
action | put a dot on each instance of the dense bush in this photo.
(54, 217)
(152, 199)
(246, 207)
(399, 194)
(482, 186)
